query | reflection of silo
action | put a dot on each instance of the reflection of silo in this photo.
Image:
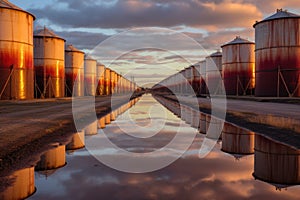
(101, 123)
(22, 185)
(107, 119)
(49, 63)
(112, 81)
(90, 73)
(100, 79)
(215, 126)
(196, 78)
(202, 123)
(77, 141)
(91, 129)
(74, 71)
(107, 82)
(237, 140)
(213, 72)
(16, 52)
(277, 50)
(202, 66)
(52, 159)
(275, 162)
(238, 66)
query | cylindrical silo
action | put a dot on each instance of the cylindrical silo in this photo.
(16, 52)
(277, 60)
(214, 72)
(100, 79)
(77, 141)
(238, 66)
(107, 81)
(236, 140)
(90, 76)
(22, 185)
(74, 71)
(52, 159)
(49, 64)
(275, 162)
(112, 81)
(203, 87)
(196, 78)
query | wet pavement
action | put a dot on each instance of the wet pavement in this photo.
(139, 136)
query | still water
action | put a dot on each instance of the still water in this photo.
(144, 127)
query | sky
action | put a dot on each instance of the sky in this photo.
(151, 39)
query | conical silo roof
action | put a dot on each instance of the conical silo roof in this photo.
(238, 40)
(9, 5)
(280, 14)
(70, 47)
(45, 32)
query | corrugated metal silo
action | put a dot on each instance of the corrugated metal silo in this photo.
(100, 78)
(16, 52)
(77, 141)
(74, 71)
(277, 50)
(52, 159)
(203, 88)
(22, 185)
(90, 76)
(214, 72)
(49, 64)
(238, 66)
(275, 162)
(112, 81)
(107, 81)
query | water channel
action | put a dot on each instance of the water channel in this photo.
(241, 165)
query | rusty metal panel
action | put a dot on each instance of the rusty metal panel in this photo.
(16, 53)
(52, 159)
(213, 72)
(49, 64)
(275, 162)
(22, 186)
(100, 79)
(277, 50)
(238, 66)
(74, 71)
(90, 76)
(236, 140)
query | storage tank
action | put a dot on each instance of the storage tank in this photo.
(107, 82)
(92, 128)
(22, 185)
(214, 72)
(74, 71)
(49, 64)
(77, 141)
(90, 76)
(100, 79)
(16, 52)
(236, 140)
(203, 87)
(277, 50)
(112, 81)
(238, 66)
(275, 162)
(196, 78)
(52, 159)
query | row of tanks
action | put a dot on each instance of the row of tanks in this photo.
(268, 67)
(39, 64)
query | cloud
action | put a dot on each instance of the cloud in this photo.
(133, 13)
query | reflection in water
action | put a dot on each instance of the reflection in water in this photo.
(91, 129)
(22, 185)
(236, 140)
(52, 159)
(276, 163)
(218, 176)
(77, 141)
